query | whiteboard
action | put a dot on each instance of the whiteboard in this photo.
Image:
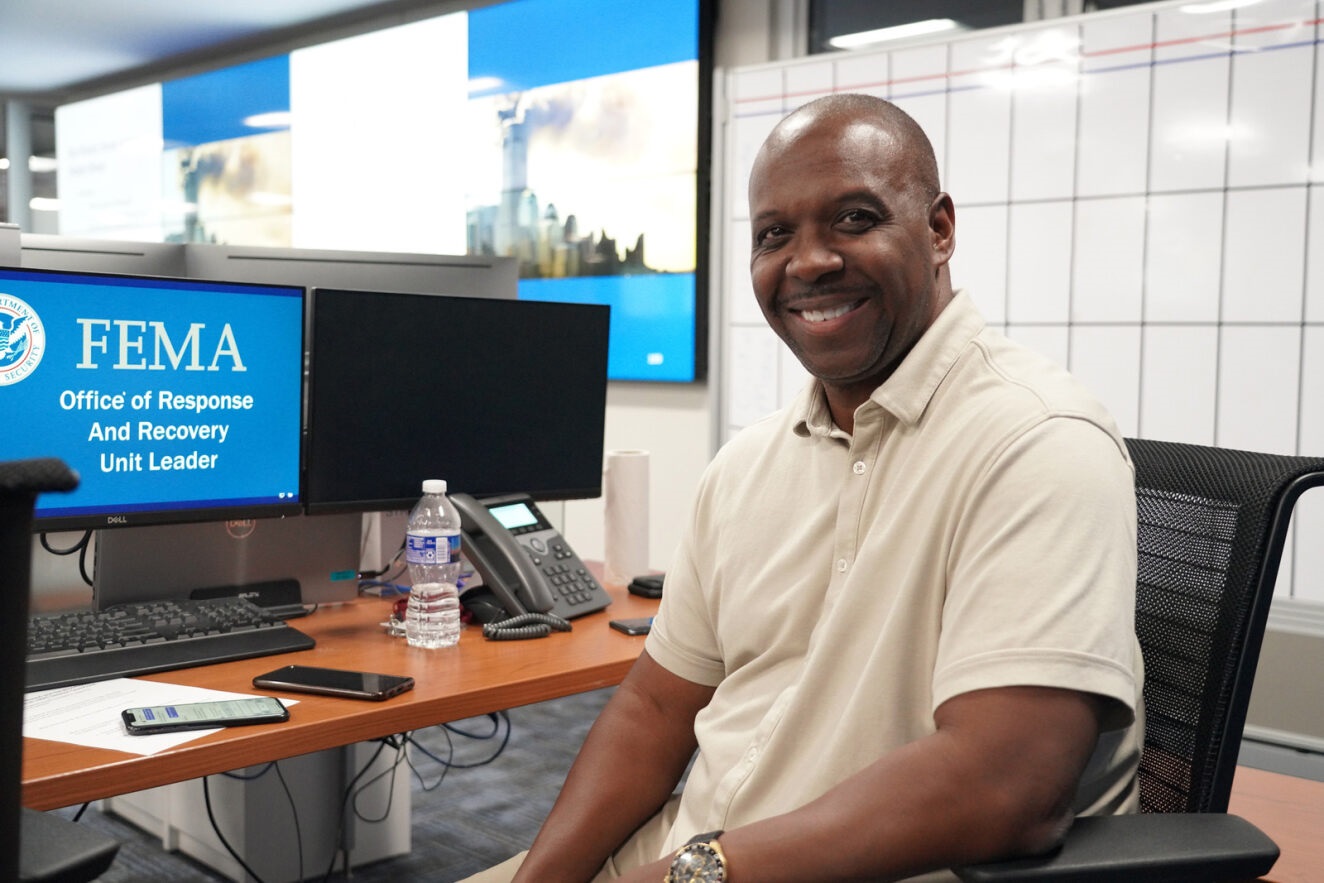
(1137, 195)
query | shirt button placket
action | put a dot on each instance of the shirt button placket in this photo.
(859, 467)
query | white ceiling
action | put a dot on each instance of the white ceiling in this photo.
(49, 48)
(53, 51)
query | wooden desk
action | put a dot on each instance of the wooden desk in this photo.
(480, 677)
(1291, 812)
(477, 677)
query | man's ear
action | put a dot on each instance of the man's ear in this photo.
(942, 223)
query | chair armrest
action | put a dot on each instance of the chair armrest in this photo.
(1145, 848)
(56, 850)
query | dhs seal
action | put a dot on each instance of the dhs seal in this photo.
(22, 339)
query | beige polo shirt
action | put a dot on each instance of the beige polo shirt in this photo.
(976, 531)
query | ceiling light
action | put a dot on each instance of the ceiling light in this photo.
(896, 32)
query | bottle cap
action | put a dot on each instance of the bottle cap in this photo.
(434, 486)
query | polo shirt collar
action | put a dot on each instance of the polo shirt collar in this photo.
(907, 393)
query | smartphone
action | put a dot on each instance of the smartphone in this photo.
(639, 626)
(204, 715)
(334, 682)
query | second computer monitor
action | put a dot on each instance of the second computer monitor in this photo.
(494, 396)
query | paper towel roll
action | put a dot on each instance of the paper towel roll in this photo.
(625, 540)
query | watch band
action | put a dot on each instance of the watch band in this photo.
(700, 859)
(704, 838)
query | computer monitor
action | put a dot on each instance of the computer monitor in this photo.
(494, 396)
(174, 400)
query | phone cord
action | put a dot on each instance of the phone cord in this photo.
(525, 625)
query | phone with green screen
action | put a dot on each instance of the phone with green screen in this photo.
(204, 715)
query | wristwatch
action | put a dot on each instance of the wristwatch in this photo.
(699, 861)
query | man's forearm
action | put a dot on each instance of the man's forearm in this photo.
(628, 767)
(997, 778)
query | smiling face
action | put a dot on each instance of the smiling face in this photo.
(851, 240)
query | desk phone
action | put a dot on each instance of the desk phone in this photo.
(523, 560)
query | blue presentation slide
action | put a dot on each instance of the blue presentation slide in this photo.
(160, 394)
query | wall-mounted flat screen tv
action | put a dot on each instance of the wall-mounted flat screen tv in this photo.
(572, 135)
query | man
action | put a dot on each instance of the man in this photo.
(899, 629)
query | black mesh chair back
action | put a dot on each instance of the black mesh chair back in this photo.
(33, 846)
(1211, 524)
(1211, 528)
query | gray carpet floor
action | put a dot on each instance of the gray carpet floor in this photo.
(465, 818)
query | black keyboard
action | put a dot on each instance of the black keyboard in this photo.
(83, 646)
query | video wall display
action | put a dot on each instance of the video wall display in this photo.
(568, 134)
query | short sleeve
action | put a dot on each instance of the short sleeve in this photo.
(1041, 587)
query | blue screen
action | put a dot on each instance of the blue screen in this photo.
(173, 400)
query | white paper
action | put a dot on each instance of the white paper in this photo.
(89, 714)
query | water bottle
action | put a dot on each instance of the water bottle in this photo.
(432, 551)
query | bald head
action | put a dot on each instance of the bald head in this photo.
(850, 241)
(877, 117)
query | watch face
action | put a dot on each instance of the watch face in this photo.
(698, 863)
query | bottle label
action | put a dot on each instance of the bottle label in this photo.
(421, 549)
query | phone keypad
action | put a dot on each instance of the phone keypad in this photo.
(575, 584)
(566, 574)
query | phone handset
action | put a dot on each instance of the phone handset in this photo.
(503, 564)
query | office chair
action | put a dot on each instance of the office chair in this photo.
(1211, 527)
(34, 846)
